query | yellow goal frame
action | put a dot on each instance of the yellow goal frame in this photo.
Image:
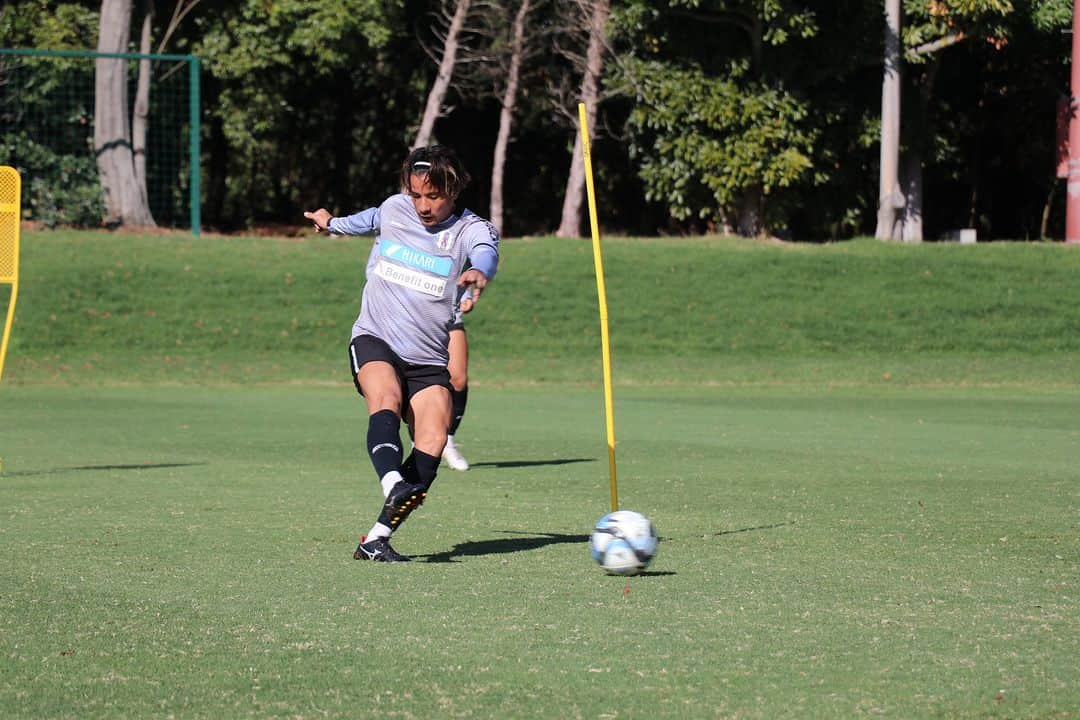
(10, 215)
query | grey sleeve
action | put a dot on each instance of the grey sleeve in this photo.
(364, 222)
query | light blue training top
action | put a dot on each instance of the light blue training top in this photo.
(411, 292)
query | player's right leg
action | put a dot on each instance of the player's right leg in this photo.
(375, 372)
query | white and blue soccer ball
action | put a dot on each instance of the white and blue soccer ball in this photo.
(624, 542)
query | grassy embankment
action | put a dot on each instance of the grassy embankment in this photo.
(99, 307)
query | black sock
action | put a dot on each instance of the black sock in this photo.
(458, 400)
(384, 442)
(426, 467)
(408, 468)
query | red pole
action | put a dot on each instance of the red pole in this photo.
(1072, 202)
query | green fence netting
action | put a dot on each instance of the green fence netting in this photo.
(47, 134)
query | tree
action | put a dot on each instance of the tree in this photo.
(712, 124)
(125, 198)
(306, 101)
(52, 25)
(518, 50)
(454, 26)
(890, 196)
(140, 113)
(486, 52)
(729, 114)
(141, 109)
(595, 13)
(931, 28)
(702, 142)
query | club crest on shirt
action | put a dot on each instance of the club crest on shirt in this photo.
(444, 240)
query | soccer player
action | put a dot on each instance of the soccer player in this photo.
(425, 255)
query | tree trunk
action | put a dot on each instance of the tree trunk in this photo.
(433, 108)
(506, 117)
(919, 124)
(1044, 226)
(757, 45)
(125, 203)
(889, 196)
(911, 217)
(750, 215)
(141, 112)
(570, 224)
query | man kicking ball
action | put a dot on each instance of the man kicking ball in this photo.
(424, 256)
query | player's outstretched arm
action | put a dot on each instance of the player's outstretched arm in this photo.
(365, 222)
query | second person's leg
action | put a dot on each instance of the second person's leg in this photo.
(459, 395)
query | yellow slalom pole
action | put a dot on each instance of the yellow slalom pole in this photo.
(605, 344)
(10, 210)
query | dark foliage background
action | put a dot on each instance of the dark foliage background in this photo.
(308, 104)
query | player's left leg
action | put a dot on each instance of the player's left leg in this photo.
(428, 390)
(459, 395)
(431, 409)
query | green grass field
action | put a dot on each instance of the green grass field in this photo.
(862, 461)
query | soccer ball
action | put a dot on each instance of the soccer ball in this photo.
(623, 542)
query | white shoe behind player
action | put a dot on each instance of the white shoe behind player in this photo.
(453, 456)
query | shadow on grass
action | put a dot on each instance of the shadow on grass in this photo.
(472, 548)
(513, 545)
(531, 463)
(55, 471)
(755, 529)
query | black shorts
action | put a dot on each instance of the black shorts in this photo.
(414, 378)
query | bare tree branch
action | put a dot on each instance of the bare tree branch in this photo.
(180, 11)
(930, 47)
